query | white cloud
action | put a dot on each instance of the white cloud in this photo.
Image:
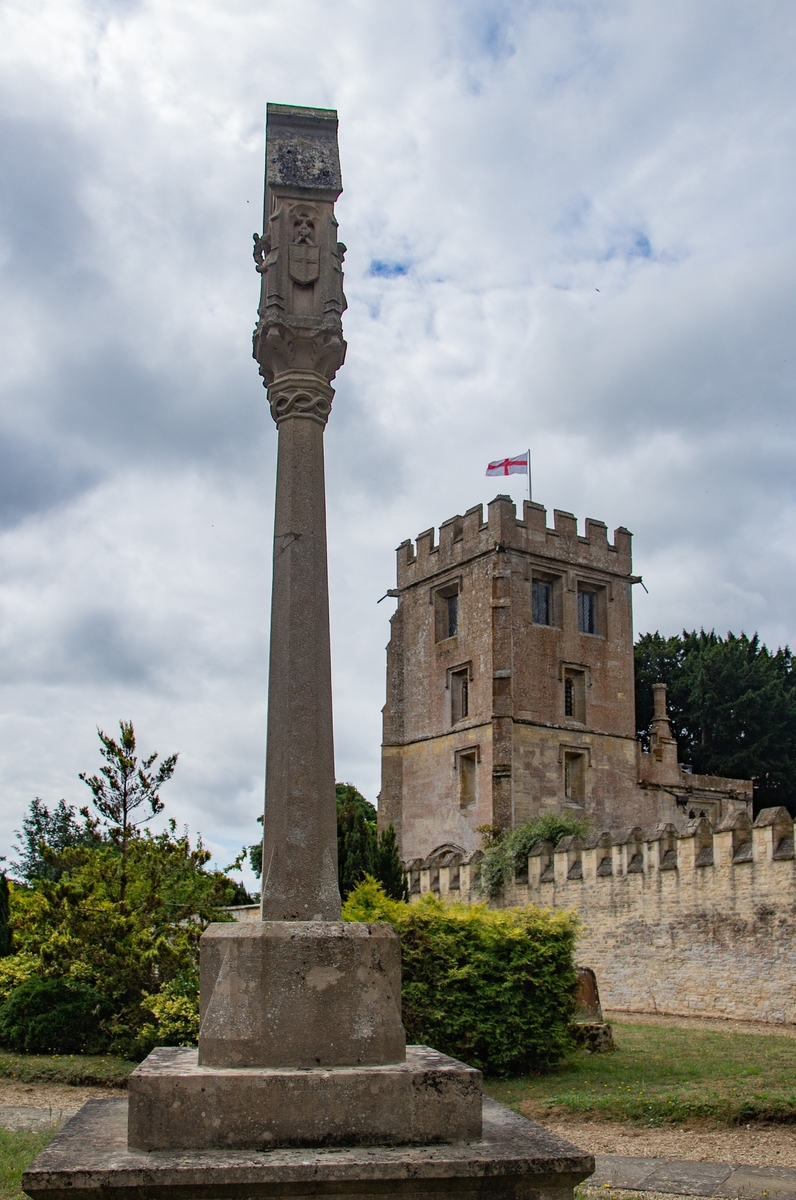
(590, 205)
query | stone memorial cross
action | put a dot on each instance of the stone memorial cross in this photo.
(302, 1084)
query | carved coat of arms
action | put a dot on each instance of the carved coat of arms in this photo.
(304, 263)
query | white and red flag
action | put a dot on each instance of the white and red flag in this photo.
(510, 466)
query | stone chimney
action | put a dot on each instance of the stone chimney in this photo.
(663, 747)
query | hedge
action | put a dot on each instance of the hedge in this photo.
(494, 988)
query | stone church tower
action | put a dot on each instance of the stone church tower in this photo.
(510, 687)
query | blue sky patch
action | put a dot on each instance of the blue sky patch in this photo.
(641, 247)
(388, 270)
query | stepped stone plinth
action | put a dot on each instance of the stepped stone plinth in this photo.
(513, 1159)
(175, 1104)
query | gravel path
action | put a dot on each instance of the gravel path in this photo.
(718, 1023)
(753, 1146)
(42, 1105)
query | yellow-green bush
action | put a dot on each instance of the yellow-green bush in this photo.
(176, 1011)
(492, 987)
(78, 930)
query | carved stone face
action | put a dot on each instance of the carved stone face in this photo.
(303, 231)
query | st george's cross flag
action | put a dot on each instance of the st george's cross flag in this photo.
(510, 466)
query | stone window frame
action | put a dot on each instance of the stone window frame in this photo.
(461, 669)
(555, 583)
(601, 591)
(439, 596)
(566, 753)
(465, 794)
(578, 673)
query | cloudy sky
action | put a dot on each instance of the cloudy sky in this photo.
(570, 227)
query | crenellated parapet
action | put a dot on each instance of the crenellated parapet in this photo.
(449, 873)
(463, 538)
(578, 872)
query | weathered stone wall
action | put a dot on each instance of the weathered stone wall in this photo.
(698, 922)
(431, 814)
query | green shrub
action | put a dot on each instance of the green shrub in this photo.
(176, 1011)
(52, 1016)
(6, 945)
(506, 854)
(78, 929)
(494, 988)
(15, 969)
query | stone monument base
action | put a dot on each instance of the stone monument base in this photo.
(512, 1160)
(300, 994)
(177, 1104)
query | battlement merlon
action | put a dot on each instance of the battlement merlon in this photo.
(462, 538)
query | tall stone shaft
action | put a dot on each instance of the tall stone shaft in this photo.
(299, 345)
(300, 989)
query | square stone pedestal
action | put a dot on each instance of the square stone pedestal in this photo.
(512, 1160)
(300, 994)
(178, 1104)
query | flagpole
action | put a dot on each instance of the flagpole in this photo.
(530, 497)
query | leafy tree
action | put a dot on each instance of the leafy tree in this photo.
(256, 855)
(45, 835)
(732, 707)
(123, 786)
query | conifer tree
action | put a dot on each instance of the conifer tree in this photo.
(361, 850)
(356, 837)
(388, 868)
(46, 835)
(6, 946)
(123, 786)
(732, 707)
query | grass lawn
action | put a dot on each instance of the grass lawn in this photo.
(17, 1150)
(80, 1070)
(662, 1074)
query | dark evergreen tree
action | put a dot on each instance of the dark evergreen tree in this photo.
(388, 868)
(659, 660)
(356, 837)
(360, 850)
(732, 707)
(6, 946)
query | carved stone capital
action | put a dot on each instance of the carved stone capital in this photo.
(300, 394)
(290, 345)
